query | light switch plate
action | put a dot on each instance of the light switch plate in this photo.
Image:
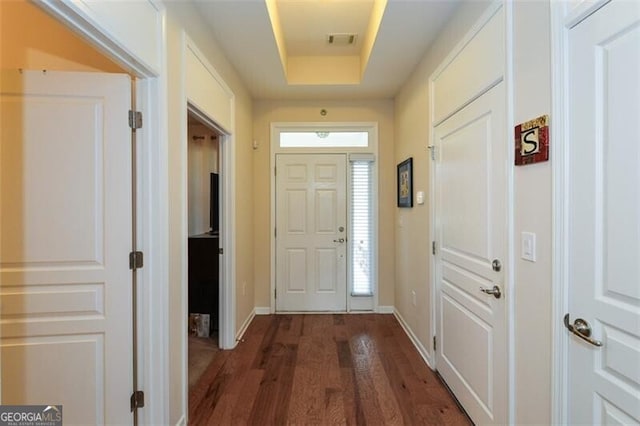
(528, 249)
(420, 197)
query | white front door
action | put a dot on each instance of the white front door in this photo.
(311, 220)
(65, 238)
(604, 216)
(471, 216)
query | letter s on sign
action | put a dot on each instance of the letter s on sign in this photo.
(530, 142)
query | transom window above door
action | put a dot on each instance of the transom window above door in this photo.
(324, 139)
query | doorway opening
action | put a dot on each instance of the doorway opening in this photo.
(70, 102)
(204, 207)
(324, 217)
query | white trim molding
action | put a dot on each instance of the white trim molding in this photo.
(262, 310)
(559, 170)
(245, 324)
(386, 310)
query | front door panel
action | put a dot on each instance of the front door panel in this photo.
(310, 209)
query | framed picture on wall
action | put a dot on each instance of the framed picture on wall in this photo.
(405, 183)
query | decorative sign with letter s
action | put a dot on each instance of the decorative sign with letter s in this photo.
(532, 141)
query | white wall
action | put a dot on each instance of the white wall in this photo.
(203, 157)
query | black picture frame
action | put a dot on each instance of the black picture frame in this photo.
(405, 183)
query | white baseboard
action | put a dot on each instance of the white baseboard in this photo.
(262, 310)
(386, 309)
(245, 325)
(414, 339)
(182, 421)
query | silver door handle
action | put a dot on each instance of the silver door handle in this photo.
(339, 240)
(495, 291)
(582, 329)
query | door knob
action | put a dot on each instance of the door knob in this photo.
(339, 240)
(495, 291)
(582, 329)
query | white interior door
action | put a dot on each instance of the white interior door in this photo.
(604, 215)
(471, 219)
(311, 232)
(65, 238)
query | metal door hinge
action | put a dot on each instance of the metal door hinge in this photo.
(432, 148)
(135, 119)
(433, 247)
(275, 293)
(275, 171)
(220, 250)
(137, 400)
(275, 232)
(434, 343)
(136, 260)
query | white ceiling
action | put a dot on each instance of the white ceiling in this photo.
(243, 29)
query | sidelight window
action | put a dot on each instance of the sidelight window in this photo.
(361, 216)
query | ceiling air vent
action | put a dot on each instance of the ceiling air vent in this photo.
(342, 39)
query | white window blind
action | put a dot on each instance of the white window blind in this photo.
(361, 245)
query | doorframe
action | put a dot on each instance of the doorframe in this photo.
(274, 149)
(227, 338)
(509, 274)
(564, 17)
(152, 202)
(226, 295)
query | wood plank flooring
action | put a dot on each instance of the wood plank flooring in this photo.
(322, 370)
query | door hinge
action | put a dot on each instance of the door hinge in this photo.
(275, 293)
(137, 400)
(135, 119)
(434, 343)
(433, 247)
(275, 232)
(432, 148)
(220, 250)
(275, 171)
(136, 260)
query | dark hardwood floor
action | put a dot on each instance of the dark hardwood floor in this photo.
(322, 370)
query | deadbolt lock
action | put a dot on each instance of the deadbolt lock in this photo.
(496, 265)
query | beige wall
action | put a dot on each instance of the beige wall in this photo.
(267, 112)
(31, 39)
(413, 240)
(182, 16)
(532, 211)
(532, 203)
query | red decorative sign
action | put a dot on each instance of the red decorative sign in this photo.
(532, 141)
